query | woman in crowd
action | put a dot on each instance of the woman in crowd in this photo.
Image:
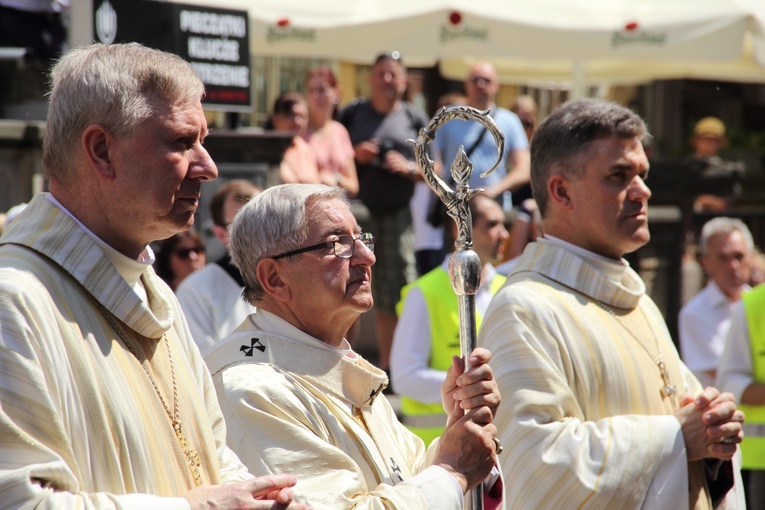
(328, 138)
(179, 256)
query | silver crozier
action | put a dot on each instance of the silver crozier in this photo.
(464, 264)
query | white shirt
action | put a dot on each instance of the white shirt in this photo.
(426, 236)
(213, 305)
(703, 327)
(735, 371)
(734, 374)
(410, 354)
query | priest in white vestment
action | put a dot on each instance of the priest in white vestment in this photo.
(105, 401)
(296, 397)
(598, 410)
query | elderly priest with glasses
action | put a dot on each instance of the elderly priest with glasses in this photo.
(297, 399)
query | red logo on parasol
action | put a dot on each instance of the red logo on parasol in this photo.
(632, 25)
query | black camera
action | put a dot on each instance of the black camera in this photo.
(386, 144)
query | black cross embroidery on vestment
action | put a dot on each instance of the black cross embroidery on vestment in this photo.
(254, 344)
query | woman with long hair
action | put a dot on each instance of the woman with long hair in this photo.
(328, 138)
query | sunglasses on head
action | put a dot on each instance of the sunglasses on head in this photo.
(185, 253)
(390, 55)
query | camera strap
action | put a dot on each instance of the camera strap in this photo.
(476, 143)
(468, 152)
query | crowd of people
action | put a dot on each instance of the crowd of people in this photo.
(135, 374)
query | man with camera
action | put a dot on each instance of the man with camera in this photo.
(379, 128)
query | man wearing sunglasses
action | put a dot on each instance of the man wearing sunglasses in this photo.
(297, 399)
(512, 174)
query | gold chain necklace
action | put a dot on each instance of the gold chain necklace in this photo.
(193, 458)
(669, 390)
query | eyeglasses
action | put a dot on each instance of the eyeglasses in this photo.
(343, 247)
(185, 253)
(480, 80)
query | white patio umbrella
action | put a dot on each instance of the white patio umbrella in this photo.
(581, 72)
(616, 41)
(722, 40)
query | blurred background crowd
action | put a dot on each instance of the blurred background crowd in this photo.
(346, 122)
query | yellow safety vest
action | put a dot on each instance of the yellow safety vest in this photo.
(753, 446)
(428, 420)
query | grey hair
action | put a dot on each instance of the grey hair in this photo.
(561, 143)
(271, 223)
(724, 225)
(111, 85)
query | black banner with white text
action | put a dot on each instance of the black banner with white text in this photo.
(215, 41)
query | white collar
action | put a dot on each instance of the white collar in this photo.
(613, 269)
(131, 270)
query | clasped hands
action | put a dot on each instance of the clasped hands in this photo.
(261, 493)
(711, 425)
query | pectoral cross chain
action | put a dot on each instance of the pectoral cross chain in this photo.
(668, 390)
(192, 456)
